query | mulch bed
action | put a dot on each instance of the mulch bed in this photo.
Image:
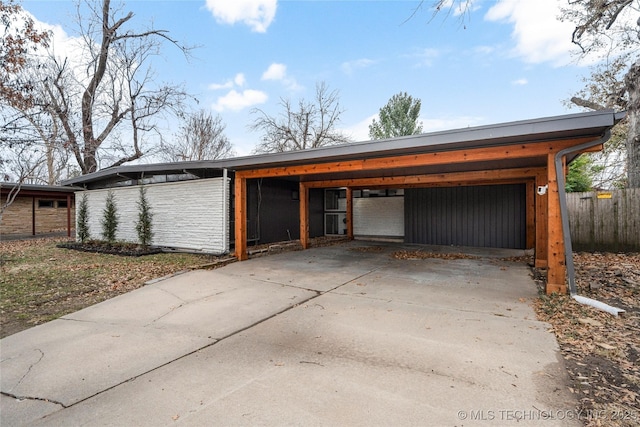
(122, 249)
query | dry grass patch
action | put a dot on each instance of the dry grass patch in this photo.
(41, 282)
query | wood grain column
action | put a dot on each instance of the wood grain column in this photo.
(240, 217)
(556, 268)
(349, 213)
(304, 215)
(541, 223)
(68, 215)
(530, 214)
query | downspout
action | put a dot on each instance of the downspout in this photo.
(225, 211)
(566, 232)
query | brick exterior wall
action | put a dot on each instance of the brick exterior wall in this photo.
(18, 219)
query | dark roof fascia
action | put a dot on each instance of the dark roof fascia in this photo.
(536, 130)
(35, 188)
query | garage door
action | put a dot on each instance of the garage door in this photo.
(481, 216)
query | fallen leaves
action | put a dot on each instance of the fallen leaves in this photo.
(418, 254)
(40, 282)
(601, 352)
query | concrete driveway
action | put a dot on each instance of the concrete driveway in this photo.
(340, 335)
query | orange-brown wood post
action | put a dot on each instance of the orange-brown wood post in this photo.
(541, 223)
(33, 216)
(531, 215)
(556, 268)
(240, 217)
(349, 213)
(68, 215)
(304, 215)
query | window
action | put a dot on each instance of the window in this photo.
(335, 200)
(391, 192)
(45, 203)
(62, 204)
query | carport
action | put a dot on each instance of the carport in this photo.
(484, 162)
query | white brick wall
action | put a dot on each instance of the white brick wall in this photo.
(186, 214)
(378, 216)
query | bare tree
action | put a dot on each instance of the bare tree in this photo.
(605, 28)
(116, 90)
(201, 137)
(19, 39)
(605, 88)
(21, 163)
(312, 124)
(608, 28)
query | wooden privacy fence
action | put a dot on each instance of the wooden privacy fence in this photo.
(605, 221)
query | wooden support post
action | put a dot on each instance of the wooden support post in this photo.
(33, 216)
(530, 215)
(349, 213)
(304, 215)
(556, 268)
(241, 217)
(541, 222)
(68, 215)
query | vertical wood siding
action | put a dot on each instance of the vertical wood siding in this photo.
(378, 216)
(187, 214)
(605, 224)
(482, 216)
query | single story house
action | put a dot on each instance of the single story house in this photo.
(500, 186)
(37, 209)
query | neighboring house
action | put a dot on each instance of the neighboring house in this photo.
(37, 209)
(487, 186)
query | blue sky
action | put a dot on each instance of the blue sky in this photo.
(509, 60)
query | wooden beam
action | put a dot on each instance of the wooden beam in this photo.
(413, 160)
(68, 215)
(240, 218)
(304, 215)
(488, 177)
(556, 268)
(530, 206)
(33, 216)
(541, 222)
(349, 213)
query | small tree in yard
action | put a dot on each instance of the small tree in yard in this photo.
(110, 219)
(144, 227)
(83, 219)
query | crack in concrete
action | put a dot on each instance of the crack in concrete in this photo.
(221, 339)
(30, 367)
(171, 310)
(40, 399)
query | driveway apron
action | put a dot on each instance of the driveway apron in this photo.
(339, 335)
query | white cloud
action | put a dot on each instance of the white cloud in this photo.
(257, 14)
(520, 82)
(275, 72)
(350, 66)
(239, 80)
(236, 101)
(539, 35)
(278, 72)
(359, 131)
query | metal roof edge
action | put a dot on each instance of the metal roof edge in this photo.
(531, 127)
